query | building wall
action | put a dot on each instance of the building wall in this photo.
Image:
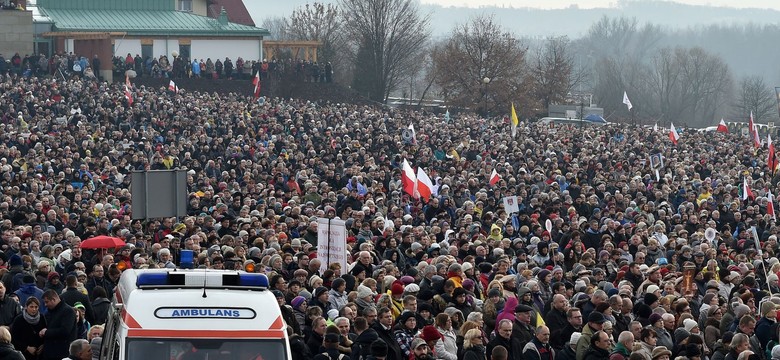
(200, 7)
(246, 49)
(160, 48)
(17, 33)
(124, 46)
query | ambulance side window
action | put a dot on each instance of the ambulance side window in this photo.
(110, 347)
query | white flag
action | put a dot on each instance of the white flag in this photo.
(414, 134)
(626, 101)
(510, 204)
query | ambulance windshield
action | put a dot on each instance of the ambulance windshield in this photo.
(205, 349)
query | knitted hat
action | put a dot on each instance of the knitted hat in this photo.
(412, 288)
(363, 291)
(319, 291)
(15, 260)
(766, 307)
(741, 310)
(655, 318)
(494, 292)
(650, 299)
(689, 324)
(429, 333)
(468, 284)
(405, 316)
(277, 293)
(543, 273)
(313, 279)
(397, 288)
(297, 301)
(652, 289)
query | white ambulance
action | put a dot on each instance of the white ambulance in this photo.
(175, 314)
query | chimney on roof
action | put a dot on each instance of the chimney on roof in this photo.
(223, 18)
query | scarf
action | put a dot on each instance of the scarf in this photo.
(32, 320)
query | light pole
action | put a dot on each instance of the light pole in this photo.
(485, 82)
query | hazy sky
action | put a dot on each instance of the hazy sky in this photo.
(553, 4)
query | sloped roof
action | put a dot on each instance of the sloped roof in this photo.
(235, 9)
(145, 22)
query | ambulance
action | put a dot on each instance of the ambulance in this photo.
(203, 314)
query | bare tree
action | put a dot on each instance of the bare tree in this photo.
(384, 36)
(552, 68)
(318, 22)
(756, 96)
(477, 50)
(278, 27)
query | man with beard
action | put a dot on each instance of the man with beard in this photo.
(420, 350)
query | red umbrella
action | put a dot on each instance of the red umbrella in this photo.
(102, 242)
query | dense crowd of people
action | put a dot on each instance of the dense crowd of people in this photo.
(183, 67)
(605, 259)
(68, 65)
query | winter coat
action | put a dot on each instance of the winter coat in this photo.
(7, 352)
(9, 309)
(61, 330)
(23, 334)
(101, 306)
(28, 290)
(72, 295)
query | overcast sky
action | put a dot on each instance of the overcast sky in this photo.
(556, 4)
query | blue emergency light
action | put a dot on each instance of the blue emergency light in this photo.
(179, 279)
(186, 259)
(245, 280)
(160, 279)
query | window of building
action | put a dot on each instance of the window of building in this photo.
(185, 5)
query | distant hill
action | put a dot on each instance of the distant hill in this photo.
(740, 41)
(573, 21)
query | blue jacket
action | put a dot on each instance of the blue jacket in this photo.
(28, 290)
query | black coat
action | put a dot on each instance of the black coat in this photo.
(72, 295)
(596, 354)
(101, 306)
(362, 344)
(513, 346)
(314, 343)
(23, 334)
(9, 309)
(61, 330)
(393, 349)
